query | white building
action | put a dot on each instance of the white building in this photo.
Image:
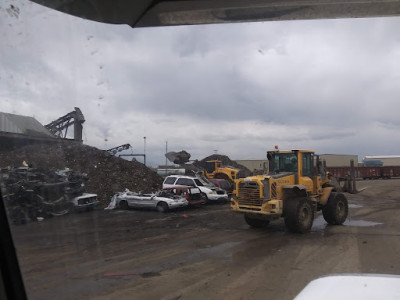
(387, 160)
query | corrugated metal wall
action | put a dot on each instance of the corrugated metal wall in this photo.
(8, 125)
(23, 125)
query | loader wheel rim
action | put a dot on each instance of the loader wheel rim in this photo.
(305, 215)
(340, 209)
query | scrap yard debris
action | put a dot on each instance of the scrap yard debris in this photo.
(35, 194)
(106, 173)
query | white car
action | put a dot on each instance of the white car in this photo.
(85, 201)
(162, 201)
(212, 192)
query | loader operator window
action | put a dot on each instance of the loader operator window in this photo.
(285, 162)
(307, 164)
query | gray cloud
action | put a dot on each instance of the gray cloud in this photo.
(330, 85)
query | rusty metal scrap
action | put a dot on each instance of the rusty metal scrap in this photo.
(36, 194)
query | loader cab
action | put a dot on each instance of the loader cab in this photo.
(296, 162)
(280, 162)
(300, 162)
(213, 165)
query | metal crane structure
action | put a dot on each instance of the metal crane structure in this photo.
(123, 147)
(60, 126)
(119, 148)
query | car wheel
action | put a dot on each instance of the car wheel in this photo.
(162, 207)
(123, 204)
(204, 196)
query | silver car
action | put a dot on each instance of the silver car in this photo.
(162, 201)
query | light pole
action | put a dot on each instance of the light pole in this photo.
(166, 162)
(144, 149)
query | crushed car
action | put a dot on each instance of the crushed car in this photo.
(76, 191)
(162, 201)
(193, 195)
(33, 194)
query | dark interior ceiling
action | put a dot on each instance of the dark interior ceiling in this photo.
(147, 13)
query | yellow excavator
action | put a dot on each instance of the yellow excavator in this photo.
(295, 187)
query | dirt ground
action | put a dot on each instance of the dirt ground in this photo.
(204, 253)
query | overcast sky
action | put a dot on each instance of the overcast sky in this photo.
(328, 85)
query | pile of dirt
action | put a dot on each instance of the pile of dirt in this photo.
(227, 162)
(107, 174)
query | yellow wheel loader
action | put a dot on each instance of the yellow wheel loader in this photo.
(295, 187)
(216, 170)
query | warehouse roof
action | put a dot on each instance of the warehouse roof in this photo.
(381, 156)
(17, 124)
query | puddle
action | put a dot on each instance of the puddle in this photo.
(361, 223)
(355, 206)
(218, 250)
(320, 223)
(150, 274)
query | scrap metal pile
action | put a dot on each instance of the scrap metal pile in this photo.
(35, 194)
(107, 174)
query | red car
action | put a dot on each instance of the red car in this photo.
(192, 194)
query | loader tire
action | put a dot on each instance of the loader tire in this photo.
(299, 215)
(336, 209)
(254, 222)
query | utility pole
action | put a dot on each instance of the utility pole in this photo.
(166, 161)
(144, 149)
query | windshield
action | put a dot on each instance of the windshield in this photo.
(199, 182)
(90, 113)
(283, 162)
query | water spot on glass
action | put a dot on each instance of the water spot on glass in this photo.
(13, 11)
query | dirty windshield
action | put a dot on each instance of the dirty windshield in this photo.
(96, 119)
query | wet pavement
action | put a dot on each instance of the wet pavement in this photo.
(204, 253)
